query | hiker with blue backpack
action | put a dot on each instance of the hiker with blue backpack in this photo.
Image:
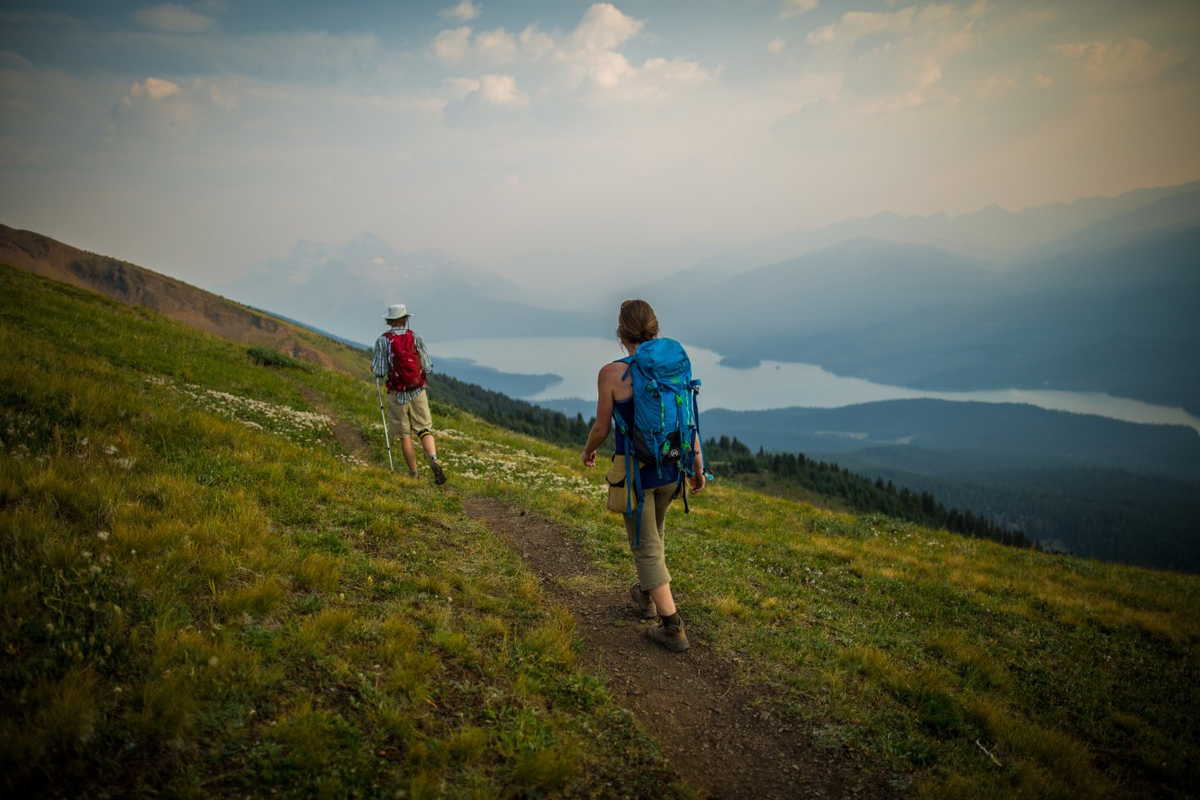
(650, 398)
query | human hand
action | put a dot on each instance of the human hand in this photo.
(589, 458)
(698, 481)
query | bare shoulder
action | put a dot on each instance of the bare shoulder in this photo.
(612, 371)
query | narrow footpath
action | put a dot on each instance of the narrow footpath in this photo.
(725, 739)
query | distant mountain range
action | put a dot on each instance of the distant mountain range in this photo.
(346, 288)
(1095, 295)
(1111, 307)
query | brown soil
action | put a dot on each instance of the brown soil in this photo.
(724, 737)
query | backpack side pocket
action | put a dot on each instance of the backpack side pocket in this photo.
(618, 494)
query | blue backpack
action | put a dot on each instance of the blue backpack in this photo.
(666, 420)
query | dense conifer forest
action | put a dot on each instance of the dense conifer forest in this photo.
(792, 474)
(827, 480)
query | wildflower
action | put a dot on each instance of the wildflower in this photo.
(212, 662)
(102, 536)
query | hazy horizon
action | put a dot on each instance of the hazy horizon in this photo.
(200, 139)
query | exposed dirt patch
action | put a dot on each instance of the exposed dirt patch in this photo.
(726, 739)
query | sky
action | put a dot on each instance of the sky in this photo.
(201, 138)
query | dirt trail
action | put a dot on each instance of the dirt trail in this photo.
(725, 739)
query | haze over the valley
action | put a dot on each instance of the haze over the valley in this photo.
(585, 143)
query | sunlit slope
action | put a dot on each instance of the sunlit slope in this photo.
(205, 590)
(202, 596)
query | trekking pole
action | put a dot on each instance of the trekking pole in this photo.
(383, 415)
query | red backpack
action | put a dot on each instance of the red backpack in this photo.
(406, 373)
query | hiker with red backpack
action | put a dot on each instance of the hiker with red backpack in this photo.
(650, 398)
(402, 361)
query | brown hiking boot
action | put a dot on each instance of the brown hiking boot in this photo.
(669, 636)
(439, 477)
(642, 602)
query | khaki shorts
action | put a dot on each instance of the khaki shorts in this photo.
(406, 418)
(650, 557)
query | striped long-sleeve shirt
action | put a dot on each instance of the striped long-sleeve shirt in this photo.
(381, 362)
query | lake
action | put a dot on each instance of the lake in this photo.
(771, 384)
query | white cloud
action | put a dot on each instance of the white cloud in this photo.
(464, 11)
(776, 45)
(501, 90)
(897, 60)
(537, 44)
(452, 46)
(221, 97)
(1126, 62)
(587, 56)
(154, 89)
(603, 28)
(461, 87)
(497, 47)
(854, 25)
(156, 107)
(794, 8)
(1043, 81)
(171, 18)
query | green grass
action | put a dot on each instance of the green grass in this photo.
(203, 594)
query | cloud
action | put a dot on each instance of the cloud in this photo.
(587, 57)
(1043, 81)
(170, 18)
(461, 87)
(890, 104)
(993, 86)
(154, 107)
(464, 11)
(794, 8)
(897, 60)
(154, 89)
(854, 25)
(501, 90)
(1127, 62)
(452, 46)
(604, 27)
(164, 109)
(776, 45)
(497, 47)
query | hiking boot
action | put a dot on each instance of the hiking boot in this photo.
(642, 602)
(669, 636)
(439, 477)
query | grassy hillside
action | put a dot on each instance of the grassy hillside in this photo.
(209, 588)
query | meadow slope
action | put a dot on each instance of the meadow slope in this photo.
(212, 586)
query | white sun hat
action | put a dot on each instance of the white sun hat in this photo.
(397, 311)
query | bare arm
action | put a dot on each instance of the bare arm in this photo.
(698, 479)
(608, 383)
